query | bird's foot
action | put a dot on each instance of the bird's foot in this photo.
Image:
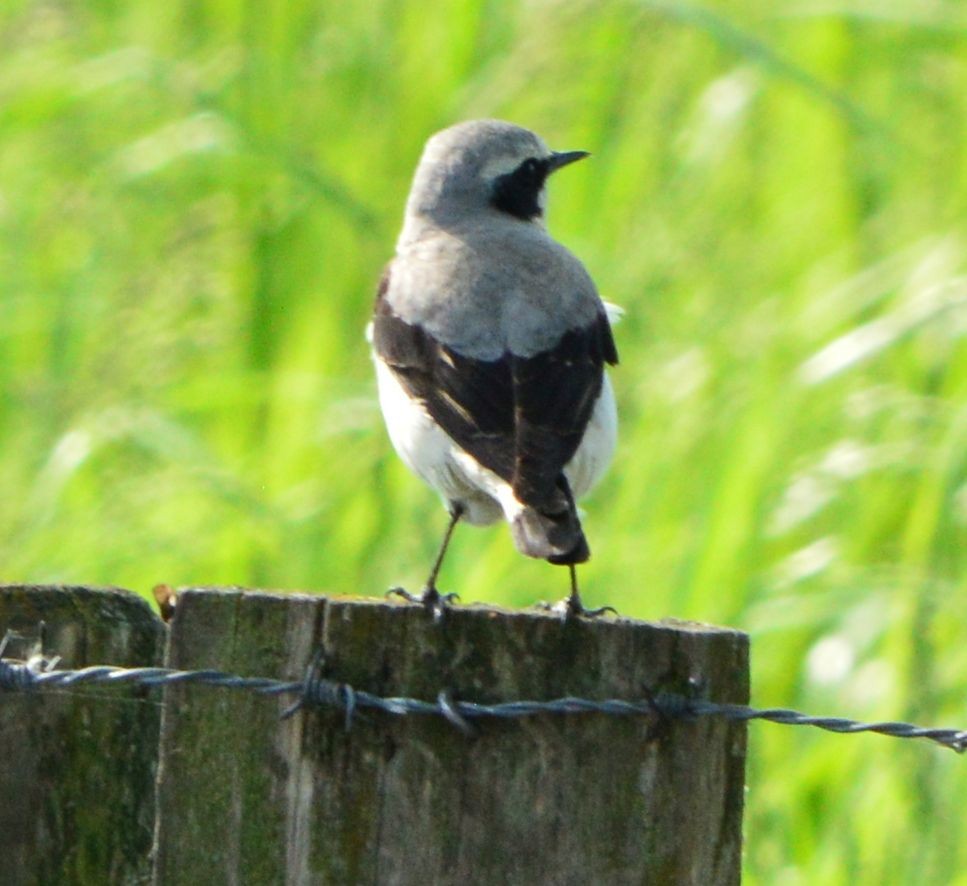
(571, 607)
(429, 598)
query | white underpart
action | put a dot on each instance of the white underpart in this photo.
(615, 313)
(434, 457)
(597, 446)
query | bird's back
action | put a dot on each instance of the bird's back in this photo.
(491, 287)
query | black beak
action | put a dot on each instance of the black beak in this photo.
(559, 159)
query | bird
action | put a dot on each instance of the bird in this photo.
(491, 344)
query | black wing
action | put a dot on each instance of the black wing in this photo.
(554, 396)
(521, 417)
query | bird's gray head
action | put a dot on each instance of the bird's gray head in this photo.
(484, 166)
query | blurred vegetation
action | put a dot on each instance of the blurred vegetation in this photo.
(196, 201)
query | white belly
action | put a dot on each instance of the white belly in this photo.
(433, 456)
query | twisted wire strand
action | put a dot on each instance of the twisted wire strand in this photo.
(38, 673)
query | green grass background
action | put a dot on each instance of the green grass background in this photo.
(197, 198)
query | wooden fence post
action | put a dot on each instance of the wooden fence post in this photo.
(244, 797)
(77, 769)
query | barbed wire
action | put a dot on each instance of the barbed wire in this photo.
(41, 673)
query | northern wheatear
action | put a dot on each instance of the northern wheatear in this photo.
(490, 343)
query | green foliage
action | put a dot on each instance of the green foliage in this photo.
(196, 200)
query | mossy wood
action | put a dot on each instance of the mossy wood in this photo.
(246, 797)
(77, 769)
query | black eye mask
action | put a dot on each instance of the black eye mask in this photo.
(517, 192)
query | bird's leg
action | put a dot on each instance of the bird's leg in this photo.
(456, 512)
(431, 598)
(572, 607)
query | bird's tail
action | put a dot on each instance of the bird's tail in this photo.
(551, 532)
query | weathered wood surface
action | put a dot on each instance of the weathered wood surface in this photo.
(247, 798)
(77, 770)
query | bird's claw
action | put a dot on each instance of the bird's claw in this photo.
(571, 607)
(429, 598)
(595, 613)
